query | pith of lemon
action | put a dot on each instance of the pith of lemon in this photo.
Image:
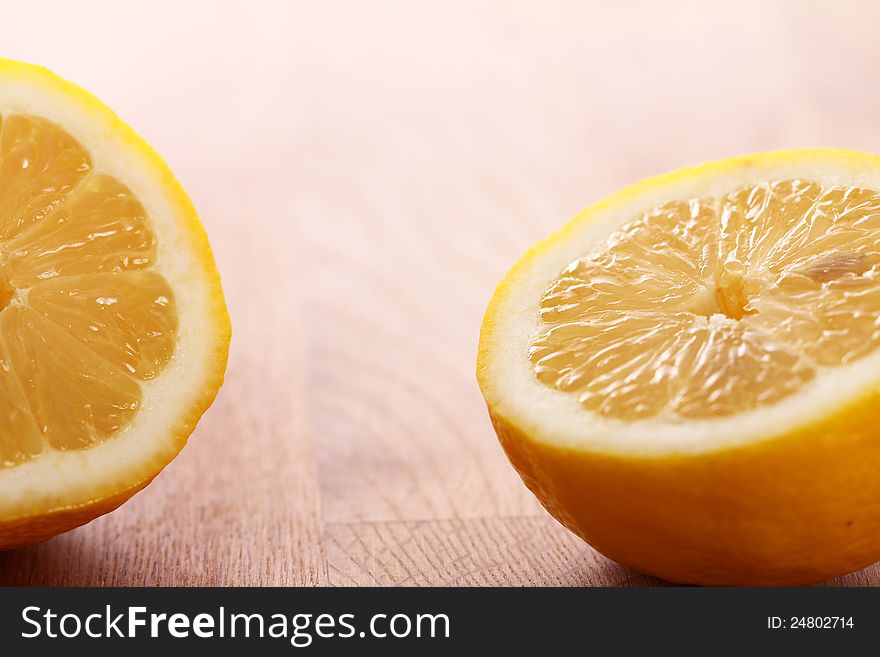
(687, 374)
(113, 328)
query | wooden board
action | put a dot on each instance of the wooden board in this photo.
(367, 172)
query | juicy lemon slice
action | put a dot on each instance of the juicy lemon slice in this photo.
(113, 327)
(686, 375)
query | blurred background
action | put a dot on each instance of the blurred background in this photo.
(367, 171)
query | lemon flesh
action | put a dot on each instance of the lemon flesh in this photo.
(711, 306)
(83, 318)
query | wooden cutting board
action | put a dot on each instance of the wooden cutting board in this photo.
(367, 172)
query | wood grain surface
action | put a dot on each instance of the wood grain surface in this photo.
(367, 171)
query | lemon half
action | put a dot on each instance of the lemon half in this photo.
(113, 327)
(686, 375)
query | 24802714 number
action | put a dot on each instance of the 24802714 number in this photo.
(820, 622)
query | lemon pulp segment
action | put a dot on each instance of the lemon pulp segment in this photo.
(707, 307)
(83, 320)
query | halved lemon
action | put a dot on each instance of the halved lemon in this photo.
(686, 375)
(113, 328)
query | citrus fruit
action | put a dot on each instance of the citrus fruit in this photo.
(687, 374)
(113, 327)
